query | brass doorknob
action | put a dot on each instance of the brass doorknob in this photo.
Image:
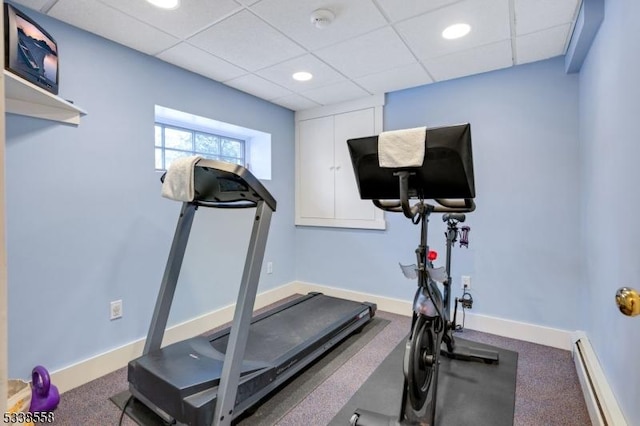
(628, 301)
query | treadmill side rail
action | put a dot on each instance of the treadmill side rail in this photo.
(170, 279)
(242, 318)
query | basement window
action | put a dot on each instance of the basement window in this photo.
(179, 134)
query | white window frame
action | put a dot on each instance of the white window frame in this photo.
(257, 143)
(193, 151)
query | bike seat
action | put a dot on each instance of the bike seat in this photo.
(460, 217)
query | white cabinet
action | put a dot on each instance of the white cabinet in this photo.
(315, 168)
(326, 189)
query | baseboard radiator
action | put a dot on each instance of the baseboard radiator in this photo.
(601, 402)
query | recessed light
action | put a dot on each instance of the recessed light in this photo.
(302, 76)
(165, 4)
(456, 31)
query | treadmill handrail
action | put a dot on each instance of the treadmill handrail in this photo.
(243, 204)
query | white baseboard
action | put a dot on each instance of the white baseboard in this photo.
(601, 403)
(387, 304)
(547, 336)
(95, 367)
(554, 337)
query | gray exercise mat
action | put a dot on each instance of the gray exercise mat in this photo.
(470, 393)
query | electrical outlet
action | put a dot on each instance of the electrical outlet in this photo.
(466, 282)
(116, 309)
(269, 267)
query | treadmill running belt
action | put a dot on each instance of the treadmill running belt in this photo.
(283, 331)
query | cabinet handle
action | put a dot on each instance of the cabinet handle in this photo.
(337, 167)
(332, 167)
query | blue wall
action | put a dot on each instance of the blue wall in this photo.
(609, 152)
(523, 255)
(552, 239)
(85, 221)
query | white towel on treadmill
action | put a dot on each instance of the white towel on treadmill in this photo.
(178, 182)
(402, 148)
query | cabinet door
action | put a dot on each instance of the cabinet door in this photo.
(348, 205)
(316, 168)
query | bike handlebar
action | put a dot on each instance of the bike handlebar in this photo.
(446, 205)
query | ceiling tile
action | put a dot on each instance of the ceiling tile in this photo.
(281, 73)
(258, 86)
(246, 41)
(335, 93)
(489, 20)
(398, 10)
(191, 17)
(295, 102)
(395, 79)
(193, 59)
(532, 16)
(32, 4)
(293, 18)
(475, 61)
(542, 45)
(374, 52)
(372, 46)
(93, 16)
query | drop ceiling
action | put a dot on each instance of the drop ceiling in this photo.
(370, 47)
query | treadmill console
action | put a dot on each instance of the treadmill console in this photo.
(226, 185)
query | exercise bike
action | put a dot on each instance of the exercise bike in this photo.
(431, 332)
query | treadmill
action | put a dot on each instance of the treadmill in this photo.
(211, 380)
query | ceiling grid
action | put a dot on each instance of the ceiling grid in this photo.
(369, 47)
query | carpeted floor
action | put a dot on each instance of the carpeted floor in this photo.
(547, 388)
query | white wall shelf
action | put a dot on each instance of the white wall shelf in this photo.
(25, 98)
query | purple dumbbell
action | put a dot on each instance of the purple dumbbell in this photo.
(44, 395)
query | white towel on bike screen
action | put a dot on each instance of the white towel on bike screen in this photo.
(402, 148)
